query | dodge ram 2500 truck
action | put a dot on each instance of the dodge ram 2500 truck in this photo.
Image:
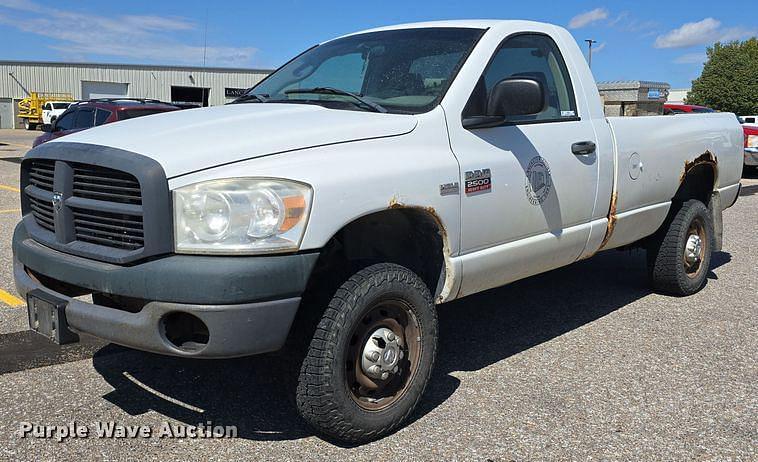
(366, 180)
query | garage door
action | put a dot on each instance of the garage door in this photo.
(94, 90)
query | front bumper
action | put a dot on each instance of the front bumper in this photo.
(751, 157)
(246, 304)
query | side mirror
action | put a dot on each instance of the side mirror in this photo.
(513, 96)
(516, 97)
(48, 128)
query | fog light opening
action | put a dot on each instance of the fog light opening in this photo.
(185, 331)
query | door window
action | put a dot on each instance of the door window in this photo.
(85, 118)
(101, 116)
(65, 121)
(532, 56)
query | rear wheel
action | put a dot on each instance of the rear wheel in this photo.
(371, 356)
(680, 256)
(28, 125)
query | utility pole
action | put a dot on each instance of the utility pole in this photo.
(589, 43)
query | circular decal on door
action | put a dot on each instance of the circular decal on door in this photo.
(538, 180)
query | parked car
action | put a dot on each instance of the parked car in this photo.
(87, 114)
(751, 145)
(52, 109)
(673, 108)
(366, 180)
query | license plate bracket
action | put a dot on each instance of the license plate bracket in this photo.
(47, 317)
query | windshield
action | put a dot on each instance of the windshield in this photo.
(404, 71)
(61, 105)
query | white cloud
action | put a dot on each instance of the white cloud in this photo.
(587, 18)
(703, 32)
(145, 38)
(691, 58)
(598, 48)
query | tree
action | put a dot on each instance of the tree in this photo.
(729, 81)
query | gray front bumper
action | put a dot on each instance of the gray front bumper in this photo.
(241, 319)
(234, 330)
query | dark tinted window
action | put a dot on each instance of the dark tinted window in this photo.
(534, 57)
(702, 109)
(85, 118)
(101, 116)
(65, 121)
(132, 113)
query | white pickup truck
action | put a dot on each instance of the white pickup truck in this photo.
(366, 180)
(52, 109)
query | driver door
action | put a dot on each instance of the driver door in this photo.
(527, 199)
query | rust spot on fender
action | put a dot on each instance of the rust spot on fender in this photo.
(611, 220)
(706, 158)
(444, 294)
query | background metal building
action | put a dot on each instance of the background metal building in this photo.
(205, 86)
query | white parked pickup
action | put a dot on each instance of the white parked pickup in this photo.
(341, 198)
(52, 109)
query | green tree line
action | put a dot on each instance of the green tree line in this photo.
(729, 81)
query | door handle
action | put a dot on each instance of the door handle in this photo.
(582, 148)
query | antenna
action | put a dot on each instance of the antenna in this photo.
(590, 42)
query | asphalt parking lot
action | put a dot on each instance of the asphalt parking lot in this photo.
(584, 362)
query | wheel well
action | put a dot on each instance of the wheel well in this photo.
(408, 236)
(698, 182)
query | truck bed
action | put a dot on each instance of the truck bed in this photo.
(651, 157)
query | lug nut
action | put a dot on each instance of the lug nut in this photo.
(385, 375)
(374, 370)
(372, 356)
(390, 336)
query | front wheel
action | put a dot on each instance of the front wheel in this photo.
(680, 256)
(371, 356)
(28, 125)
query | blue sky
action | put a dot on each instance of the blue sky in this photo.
(650, 40)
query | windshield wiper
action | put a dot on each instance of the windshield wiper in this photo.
(250, 97)
(336, 91)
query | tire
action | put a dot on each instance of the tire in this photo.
(336, 393)
(676, 265)
(28, 125)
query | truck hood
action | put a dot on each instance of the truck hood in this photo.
(195, 139)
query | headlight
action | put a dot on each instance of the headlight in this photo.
(240, 215)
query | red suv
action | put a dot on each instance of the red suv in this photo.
(88, 114)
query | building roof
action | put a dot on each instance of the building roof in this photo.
(135, 66)
(630, 84)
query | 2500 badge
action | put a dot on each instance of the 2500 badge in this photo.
(478, 181)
